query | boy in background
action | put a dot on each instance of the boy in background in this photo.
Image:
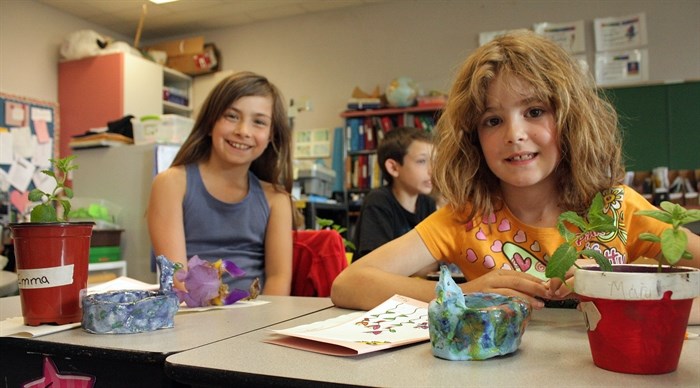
(390, 211)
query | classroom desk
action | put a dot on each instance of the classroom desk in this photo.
(554, 352)
(140, 357)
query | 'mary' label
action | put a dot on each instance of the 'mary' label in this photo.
(45, 277)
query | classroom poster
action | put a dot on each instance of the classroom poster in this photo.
(571, 36)
(620, 33)
(620, 67)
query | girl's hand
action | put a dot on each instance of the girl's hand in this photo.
(510, 283)
(557, 290)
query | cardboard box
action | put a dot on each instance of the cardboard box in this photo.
(203, 62)
(178, 47)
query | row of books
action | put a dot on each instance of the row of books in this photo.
(362, 172)
(365, 133)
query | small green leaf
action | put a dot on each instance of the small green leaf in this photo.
(36, 195)
(43, 213)
(673, 243)
(68, 192)
(657, 214)
(562, 259)
(602, 261)
(646, 236)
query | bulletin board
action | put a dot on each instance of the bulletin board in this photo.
(29, 133)
(660, 124)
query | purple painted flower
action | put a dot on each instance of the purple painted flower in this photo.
(204, 285)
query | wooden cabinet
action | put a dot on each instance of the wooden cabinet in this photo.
(96, 90)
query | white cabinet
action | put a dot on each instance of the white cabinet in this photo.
(123, 175)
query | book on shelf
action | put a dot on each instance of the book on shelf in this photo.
(398, 321)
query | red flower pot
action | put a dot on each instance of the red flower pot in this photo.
(52, 269)
(637, 316)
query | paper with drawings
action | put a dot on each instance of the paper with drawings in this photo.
(396, 322)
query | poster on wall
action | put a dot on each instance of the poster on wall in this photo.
(620, 67)
(312, 143)
(571, 36)
(620, 33)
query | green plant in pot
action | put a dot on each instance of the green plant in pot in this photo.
(52, 254)
(636, 314)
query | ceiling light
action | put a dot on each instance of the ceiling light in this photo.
(162, 1)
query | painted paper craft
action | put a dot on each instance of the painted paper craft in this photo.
(396, 322)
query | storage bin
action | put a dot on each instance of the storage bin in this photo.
(105, 254)
(317, 180)
(163, 129)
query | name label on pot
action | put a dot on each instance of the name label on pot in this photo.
(45, 277)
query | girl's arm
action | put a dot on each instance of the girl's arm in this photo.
(387, 271)
(384, 272)
(278, 244)
(164, 216)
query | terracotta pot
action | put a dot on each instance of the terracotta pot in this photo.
(52, 269)
(637, 316)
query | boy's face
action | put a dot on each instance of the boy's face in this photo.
(414, 175)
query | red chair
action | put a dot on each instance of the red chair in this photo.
(319, 256)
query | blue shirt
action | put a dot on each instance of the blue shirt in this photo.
(231, 231)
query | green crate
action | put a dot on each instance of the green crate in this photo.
(105, 254)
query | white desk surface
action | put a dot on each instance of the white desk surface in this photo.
(554, 352)
(191, 329)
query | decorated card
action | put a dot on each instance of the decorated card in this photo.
(396, 322)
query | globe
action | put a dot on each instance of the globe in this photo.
(401, 92)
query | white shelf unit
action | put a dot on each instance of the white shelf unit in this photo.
(183, 82)
(118, 267)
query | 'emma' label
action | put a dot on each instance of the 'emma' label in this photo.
(45, 277)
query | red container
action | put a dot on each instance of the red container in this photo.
(52, 270)
(640, 337)
(637, 315)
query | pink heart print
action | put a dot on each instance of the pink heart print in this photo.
(523, 264)
(20, 200)
(471, 256)
(520, 237)
(504, 226)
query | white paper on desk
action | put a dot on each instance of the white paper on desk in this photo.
(396, 322)
(122, 283)
(15, 327)
(239, 304)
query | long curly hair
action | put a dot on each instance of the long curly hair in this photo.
(590, 140)
(274, 165)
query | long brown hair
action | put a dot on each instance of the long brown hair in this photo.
(586, 123)
(274, 165)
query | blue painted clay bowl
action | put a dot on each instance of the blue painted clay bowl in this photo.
(486, 325)
(124, 312)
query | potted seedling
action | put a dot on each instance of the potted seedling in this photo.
(636, 314)
(52, 254)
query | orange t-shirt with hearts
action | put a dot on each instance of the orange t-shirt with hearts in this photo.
(504, 242)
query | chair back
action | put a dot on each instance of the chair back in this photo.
(319, 256)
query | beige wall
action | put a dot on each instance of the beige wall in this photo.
(324, 56)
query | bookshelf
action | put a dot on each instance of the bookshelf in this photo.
(365, 129)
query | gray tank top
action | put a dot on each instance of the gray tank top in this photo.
(220, 230)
